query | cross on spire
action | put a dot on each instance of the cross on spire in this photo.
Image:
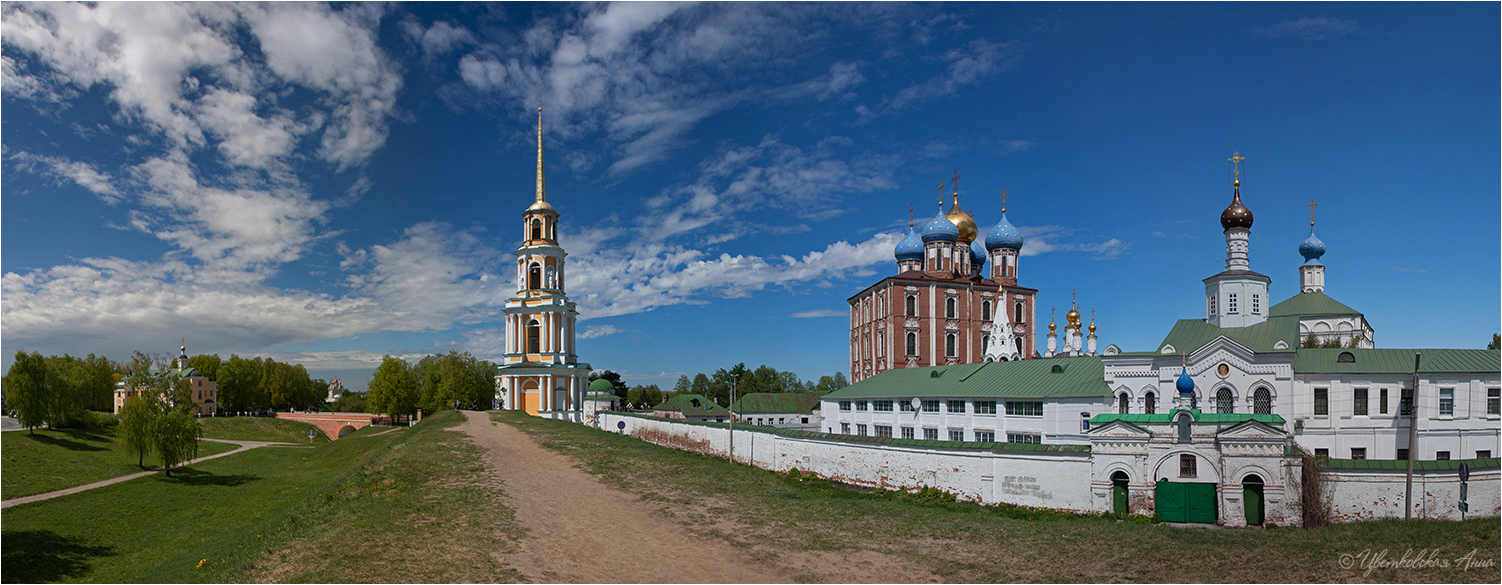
(1003, 200)
(1236, 159)
(956, 182)
(909, 215)
(1072, 295)
(1311, 207)
(941, 193)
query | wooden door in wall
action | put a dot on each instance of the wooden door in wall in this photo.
(530, 402)
(1185, 502)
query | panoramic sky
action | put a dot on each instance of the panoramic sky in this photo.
(328, 184)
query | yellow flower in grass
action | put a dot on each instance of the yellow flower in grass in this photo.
(200, 563)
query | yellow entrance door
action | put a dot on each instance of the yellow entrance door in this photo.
(530, 402)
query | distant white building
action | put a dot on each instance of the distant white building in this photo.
(336, 391)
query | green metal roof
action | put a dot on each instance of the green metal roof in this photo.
(1191, 334)
(684, 403)
(790, 402)
(1201, 417)
(1310, 304)
(1402, 465)
(1397, 361)
(1077, 377)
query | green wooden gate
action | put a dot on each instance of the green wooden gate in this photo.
(1185, 502)
(1119, 497)
(1251, 495)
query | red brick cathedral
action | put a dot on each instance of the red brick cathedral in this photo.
(943, 306)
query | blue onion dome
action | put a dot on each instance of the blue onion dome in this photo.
(941, 229)
(1312, 248)
(1004, 235)
(1185, 384)
(1237, 215)
(910, 248)
(977, 254)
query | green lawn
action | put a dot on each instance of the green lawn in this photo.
(258, 428)
(773, 516)
(398, 506)
(52, 460)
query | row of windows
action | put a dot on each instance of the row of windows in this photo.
(1361, 403)
(1360, 453)
(1231, 307)
(932, 434)
(768, 421)
(951, 406)
(949, 309)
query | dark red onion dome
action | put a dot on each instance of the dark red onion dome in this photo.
(1237, 215)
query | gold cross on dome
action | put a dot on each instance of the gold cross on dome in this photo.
(1236, 159)
(956, 182)
(909, 215)
(1311, 207)
(1003, 200)
(941, 193)
(1072, 295)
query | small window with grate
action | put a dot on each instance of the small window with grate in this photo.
(1188, 466)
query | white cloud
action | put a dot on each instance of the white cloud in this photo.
(81, 173)
(967, 66)
(599, 331)
(1052, 238)
(819, 313)
(1311, 29)
(439, 39)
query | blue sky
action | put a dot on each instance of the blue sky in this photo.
(326, 185)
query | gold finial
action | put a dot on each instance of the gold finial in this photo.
(541, 189)
(1051, 325)
(1236, 159)
(1092, 321)
(1311, 206)
(1003, 200)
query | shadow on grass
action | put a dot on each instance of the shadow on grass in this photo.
(68, 444)
(38, 556)
(190, 476)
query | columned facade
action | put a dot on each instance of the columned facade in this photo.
(540, 372)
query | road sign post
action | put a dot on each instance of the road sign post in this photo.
(312, 433)
(1465, 474)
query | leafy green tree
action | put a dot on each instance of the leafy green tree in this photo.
(700, 385)
(683, 385)
(239, 384)
(1496, 341)
(177, 435)
(26, 389)
(352, 402)
(208, 365)
(831, 383)
(393, 388)
(137, 428)
(615, 380)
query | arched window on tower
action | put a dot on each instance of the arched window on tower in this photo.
(1018, 313)
(1121, 404)
(985, 311)
(534, 337)
(1150, 404)
(949, 308)
(536, 229)
(534, 276)
(1224, 404)
(1262, 401)
(912, 306)
(1004, 265)
(912, 343)
(949, 345)
(985, 341)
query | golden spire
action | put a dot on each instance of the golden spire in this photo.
(1236, 159)
(1311, 206)
(541, 191)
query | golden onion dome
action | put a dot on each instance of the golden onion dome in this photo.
(541, 205)
(1074, 317)
(963, 221)
(1051, 325)
(1092, 327)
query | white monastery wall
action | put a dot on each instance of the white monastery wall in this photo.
(1369, 494)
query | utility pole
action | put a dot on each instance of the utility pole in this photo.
(732, 419)
(1413, 436)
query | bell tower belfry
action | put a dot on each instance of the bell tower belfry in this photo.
(540, 372)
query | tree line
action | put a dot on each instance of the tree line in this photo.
(435, 382)
(717, 385)
(260, 383)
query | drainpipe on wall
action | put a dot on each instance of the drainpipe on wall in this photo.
(1413, 436)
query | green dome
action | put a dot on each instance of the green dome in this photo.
(601, 386)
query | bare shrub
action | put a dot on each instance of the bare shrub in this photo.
(1315, 492)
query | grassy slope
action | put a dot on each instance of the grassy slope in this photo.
(772, 514)
(256, 428)
(397, 506)
(52, 460)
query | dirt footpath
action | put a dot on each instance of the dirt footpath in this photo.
(581, 531)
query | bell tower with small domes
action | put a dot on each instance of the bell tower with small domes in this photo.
(1236, 297)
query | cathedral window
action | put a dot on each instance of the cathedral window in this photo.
(1121, 404)
(985, 341)
(534, 337)
(536, 229)
(1321, 401)
(1212, 307)
(985, 311)
(1150, 404)
(949, 345)
(1256, 304)
(1358, 402)
(949, 308)
(1224, 403)
(912, 344)
(912, 307)
(1017, 312)
(1004, 266)
(1262, 401)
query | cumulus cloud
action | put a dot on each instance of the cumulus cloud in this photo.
(1311, 29)
(439, 39)
(819, 313)
(594, 331)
